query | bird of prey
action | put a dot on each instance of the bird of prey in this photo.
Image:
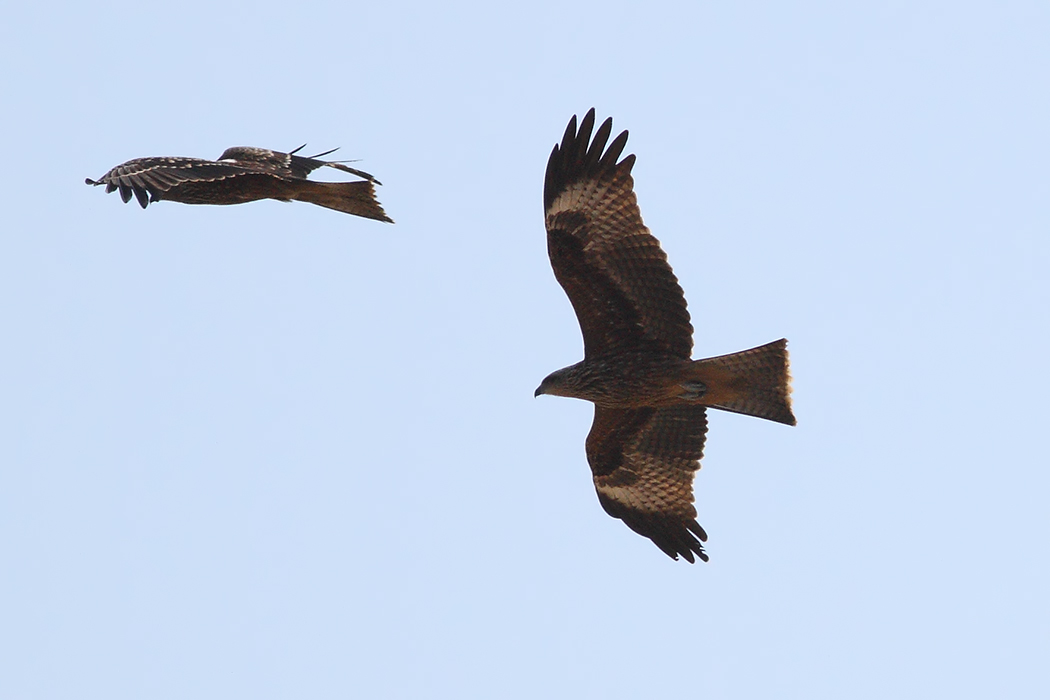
(650, 399)
(243, 174)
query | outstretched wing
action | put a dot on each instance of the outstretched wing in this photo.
(643, 461)
(148, 179)
(616, 275)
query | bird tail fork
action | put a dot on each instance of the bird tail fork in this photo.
(755, 382)
(358, 198)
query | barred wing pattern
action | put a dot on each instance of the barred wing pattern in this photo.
(624, 293)
(643, 462)
(148, 179)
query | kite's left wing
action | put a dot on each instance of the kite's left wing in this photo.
(148, 178)
(643, 461)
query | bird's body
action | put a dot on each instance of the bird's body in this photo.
(615, 381)
(742, 382)
(242, 174)
(650, 397)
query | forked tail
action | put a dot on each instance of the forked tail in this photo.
(755, 382)
(357, 198)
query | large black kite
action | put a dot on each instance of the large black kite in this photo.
(650, 398)
(243, 174)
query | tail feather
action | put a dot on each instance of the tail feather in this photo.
(755, 382)
(357, 198)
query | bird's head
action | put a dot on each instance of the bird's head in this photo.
(253, 154)
(555, 384)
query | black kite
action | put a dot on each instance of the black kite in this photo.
(243, 174)
(650, 399)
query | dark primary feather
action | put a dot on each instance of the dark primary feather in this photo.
(643, 462)
(616, 275)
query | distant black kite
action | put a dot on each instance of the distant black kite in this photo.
(649, 397)
(243, 174)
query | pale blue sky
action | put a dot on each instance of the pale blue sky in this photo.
(274, 451)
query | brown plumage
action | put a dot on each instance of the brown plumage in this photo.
(243, 174)
(650, 398)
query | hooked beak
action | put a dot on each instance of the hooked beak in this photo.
(539, 390)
